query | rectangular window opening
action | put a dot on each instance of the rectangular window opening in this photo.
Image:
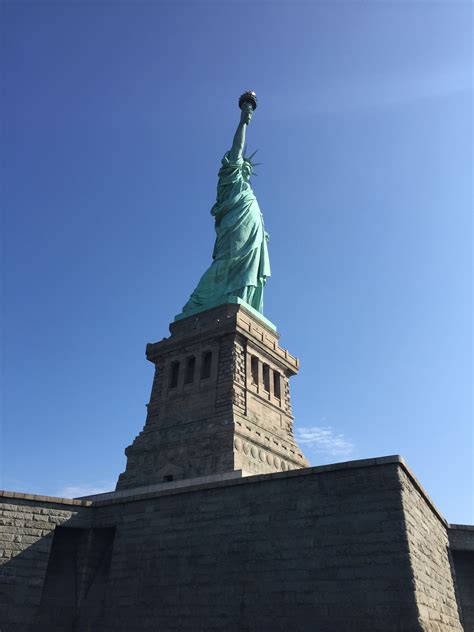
(189, 374)
(254, 369)
(206, 364)
(266, 377)
(276, 385)
(174, 374)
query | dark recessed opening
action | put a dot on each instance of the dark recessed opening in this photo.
(206, 364)
(276, 384)
(174, 374)
(189, 374)
(266, 377)
(254, 369)
(168, 478)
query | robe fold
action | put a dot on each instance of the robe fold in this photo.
(240, 264)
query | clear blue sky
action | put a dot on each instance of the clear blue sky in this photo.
(116, 116)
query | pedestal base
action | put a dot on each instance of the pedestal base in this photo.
(235, 300)
(220, 401)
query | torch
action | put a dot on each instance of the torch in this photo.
(248, 97)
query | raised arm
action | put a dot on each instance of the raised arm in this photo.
(239, 137)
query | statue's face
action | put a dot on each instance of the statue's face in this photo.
(246, 171)
(247, 110)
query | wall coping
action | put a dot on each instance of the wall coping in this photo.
(197, 481)
(138, 494)
(77, 502)
(461, 527)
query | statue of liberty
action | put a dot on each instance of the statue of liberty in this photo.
(240, 265)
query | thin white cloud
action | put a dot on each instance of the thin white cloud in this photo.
(382, 92)
(87, 489)
(385, 92)
(325, 440)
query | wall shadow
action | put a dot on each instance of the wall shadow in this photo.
(59, 582)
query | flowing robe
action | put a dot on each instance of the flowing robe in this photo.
(240, 264)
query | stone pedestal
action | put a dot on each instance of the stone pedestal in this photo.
(220, 402)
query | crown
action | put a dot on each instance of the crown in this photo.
(248, 159)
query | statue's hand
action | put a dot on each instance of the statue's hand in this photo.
(246, 113)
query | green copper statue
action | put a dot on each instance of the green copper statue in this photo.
(240, 264)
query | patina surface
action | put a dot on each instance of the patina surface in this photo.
(240, 265)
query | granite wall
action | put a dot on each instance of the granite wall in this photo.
(430, 558)
(27, 528)
(354, 547)
(461, 540)
(349, 547)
